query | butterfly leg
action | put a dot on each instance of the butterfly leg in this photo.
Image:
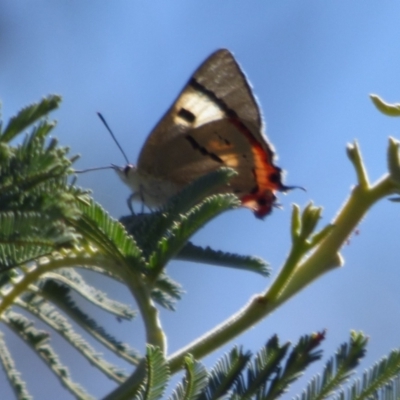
(130, 201)
(141, 193)
(136, 196)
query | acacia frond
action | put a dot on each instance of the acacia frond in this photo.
(157, 375)
(71, 279)
(225, 375)
(262, 371)
(303, 354)
(60, 296)
(390, 391)
(337, 370)
(377, 381)
(14, 376)
(53, 224)
(194, 382)
(191, 252)
(29, 115)
(149, 229)
(35, 198)
(38, 341)
(42, 309)
(96, 225)
(185, 226)
(25, 236)
(166, 292)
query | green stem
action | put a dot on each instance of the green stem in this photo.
(129, 388)
(324, 257)
(154, 332)
(140, 291)
(32, 276)
(286, 272)
(293, 278)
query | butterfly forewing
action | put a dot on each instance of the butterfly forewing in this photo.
(225, 83)
(217, 87)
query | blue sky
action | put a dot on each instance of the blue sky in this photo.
(312, 64)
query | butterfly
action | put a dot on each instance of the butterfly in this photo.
(214, 122)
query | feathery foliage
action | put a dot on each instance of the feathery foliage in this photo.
(337, 370)
(194, 383)
(191, 252)
(34, 195)
(47, 223)
(157, 374)
(49, 226)
(379, 381)
(226, 373)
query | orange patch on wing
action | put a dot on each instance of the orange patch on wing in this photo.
(266, 175)
(219, 145)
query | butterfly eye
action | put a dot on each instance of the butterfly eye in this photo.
(127, 169)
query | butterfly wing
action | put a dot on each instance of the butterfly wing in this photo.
(215, 122)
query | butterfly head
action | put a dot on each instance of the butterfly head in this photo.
(150, 190)
(128, 174)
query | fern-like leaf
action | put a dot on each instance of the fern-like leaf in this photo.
(149, 229)
(197, 191)
(194, 382)
(337, 370)
(263, 370)
(301, 356)
(191, 252)
(59, 295)
(33, 177)
(225, 374)
(37, 306)
(70, 279)
(34, 195)
(186, 226)
(25, 236)
(29, 115)
(391, 391)
(166, 292)
(37, 340)
(108, 234)
(377, 379)
(13, 375)
(157, 375)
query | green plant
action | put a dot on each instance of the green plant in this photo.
(48, 226)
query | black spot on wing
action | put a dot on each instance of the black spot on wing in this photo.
(186, 115)
(203, 150)
(224, 140)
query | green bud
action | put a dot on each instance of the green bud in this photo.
(391, 110)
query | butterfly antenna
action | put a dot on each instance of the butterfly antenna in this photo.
(113, 136)
(82, 171)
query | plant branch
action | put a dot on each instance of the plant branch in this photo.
(298, 270)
